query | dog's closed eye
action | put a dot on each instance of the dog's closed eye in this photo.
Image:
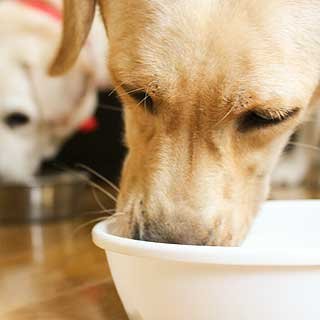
(258, 119)
(141, 97)
(16, 119)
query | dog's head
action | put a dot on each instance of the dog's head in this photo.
(37, 112)
(212, 90)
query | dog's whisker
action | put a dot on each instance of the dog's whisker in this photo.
(225, 116)
(97, 199)
(116, 215)
(98, 175)
(88, 223)
(143, 100)
(83, 225)
(93, 212)
(115, 89)
(91, 183)
(303, 145)
(131, 91)
(145, 103)
(105, 192)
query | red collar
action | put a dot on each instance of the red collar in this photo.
(44, 7)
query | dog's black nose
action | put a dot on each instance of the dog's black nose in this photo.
(16, 119)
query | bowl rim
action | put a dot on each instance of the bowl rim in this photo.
(233, 256)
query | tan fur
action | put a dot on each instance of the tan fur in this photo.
(191, 176)
(77, 18)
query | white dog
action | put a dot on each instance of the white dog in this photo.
(37, 112)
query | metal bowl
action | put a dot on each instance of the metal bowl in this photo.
(43, 198)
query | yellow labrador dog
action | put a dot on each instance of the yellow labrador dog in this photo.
(37, 112)
(212, 90)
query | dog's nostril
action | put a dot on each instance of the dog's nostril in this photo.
(16, 119)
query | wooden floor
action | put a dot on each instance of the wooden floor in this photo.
(53, 271)
(49, 272)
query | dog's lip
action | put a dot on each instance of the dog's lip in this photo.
(247, 255)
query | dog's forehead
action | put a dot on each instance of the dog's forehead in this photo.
(216, 47)
(173, 38)
(178, 48)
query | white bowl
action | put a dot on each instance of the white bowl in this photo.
(275, 275)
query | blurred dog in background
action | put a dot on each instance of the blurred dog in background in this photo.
(37, 112)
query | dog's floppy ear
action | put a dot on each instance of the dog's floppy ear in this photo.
(78, 17)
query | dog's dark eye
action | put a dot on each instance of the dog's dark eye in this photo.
(142, 98)
(16, 119)
(261, 119)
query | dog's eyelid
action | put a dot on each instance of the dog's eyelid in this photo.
(262, 118)
(132, 90)
(141, 96)
(275, 114)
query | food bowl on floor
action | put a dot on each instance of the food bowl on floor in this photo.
(43, 198)
(274, 275)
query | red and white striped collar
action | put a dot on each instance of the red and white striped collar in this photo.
(44, 7)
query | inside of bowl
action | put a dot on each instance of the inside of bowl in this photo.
(287, 224)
